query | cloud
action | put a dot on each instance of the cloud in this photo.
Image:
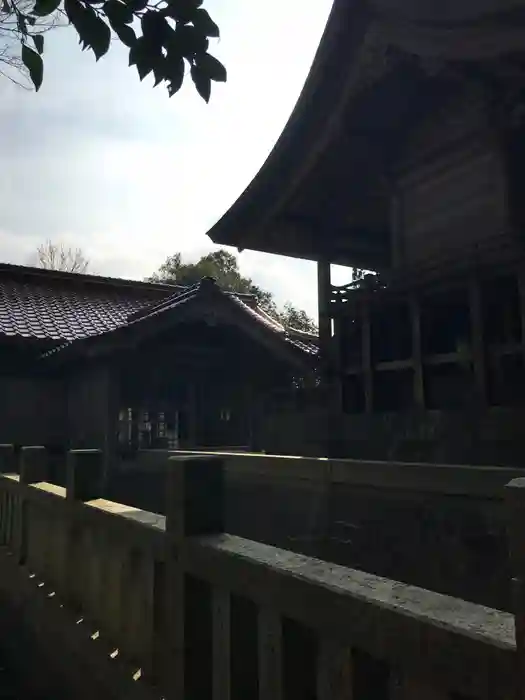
(100, 160)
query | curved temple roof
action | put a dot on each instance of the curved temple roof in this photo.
(317, 177)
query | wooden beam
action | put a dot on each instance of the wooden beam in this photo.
(304, 236)
(338, 366)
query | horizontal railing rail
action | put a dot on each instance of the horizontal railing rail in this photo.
(440, 527)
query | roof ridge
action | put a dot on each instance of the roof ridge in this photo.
(158, 306)
(32, 271)
(301, 333)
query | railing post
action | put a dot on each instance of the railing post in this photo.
(34, 464)
(195, 506)
(34, 467)
(515, 503)
(9, 511)
(85, 474)
(8, 459)
(84, 482)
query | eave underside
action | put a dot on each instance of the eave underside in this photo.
(341, 211)
(330, 196)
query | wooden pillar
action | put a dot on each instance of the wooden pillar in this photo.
(330, 377)
(366, 351)
(192, 406)
(417, 355)
(325, 322)
(85, 474)
(194, 506)
(338, 366)
(249, 400)
(477, 339)
(111, 427)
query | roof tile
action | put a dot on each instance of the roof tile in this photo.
(44, 310)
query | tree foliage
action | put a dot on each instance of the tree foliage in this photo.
(167, 38)
(292, 317)
(224, 267)
(56, 256)
(358, 274)
(12, 28)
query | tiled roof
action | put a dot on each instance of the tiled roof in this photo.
(36, 310)
(305, 341)
(198, 298)
(61, 308)
(46, 305)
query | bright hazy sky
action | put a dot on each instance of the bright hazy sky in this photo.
(98, 159)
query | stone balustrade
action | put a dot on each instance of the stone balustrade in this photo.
(133, 604)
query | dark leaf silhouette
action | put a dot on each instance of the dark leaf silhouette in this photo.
(43, 8)
(202, 82)
(212, 67)
(126, 35)
(118, 13)
(204, 24)
(33, 62)
(38, 40)
(164, 38)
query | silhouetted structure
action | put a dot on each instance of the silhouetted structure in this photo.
(404, 155)
(91, 361)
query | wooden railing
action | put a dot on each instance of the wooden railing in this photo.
(175, 607)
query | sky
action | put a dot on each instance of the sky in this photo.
(101, 161)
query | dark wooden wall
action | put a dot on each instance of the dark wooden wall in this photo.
(451, 186)
(203, 373)
(92, 406)
(32, 410)
(487, 437)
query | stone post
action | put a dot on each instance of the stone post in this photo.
(515, 504)
(8, 459)
(85, 474)
(34, 463)
(195, 506)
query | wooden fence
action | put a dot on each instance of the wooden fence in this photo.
(135, 604)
